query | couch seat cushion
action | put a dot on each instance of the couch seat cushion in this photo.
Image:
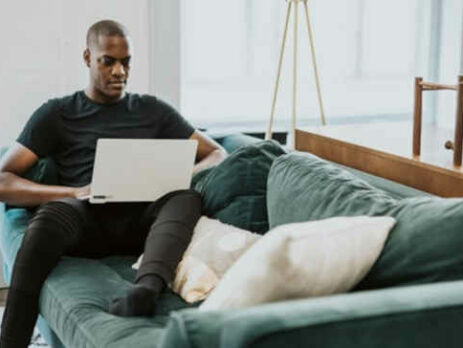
(75, 300)
(425, 245)
(76, 295)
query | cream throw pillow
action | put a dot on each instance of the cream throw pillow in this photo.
(214, 247)
(301, 260)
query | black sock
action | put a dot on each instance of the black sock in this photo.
(140, 299)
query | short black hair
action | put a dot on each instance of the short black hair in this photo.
(105, 28)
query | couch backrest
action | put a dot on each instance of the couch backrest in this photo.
(424, 246)
(394, 189)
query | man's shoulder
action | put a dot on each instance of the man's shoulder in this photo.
(53, 106)
(146, 104)
(74, 105)
(63, 100)
(136, 100)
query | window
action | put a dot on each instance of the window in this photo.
(368, 53)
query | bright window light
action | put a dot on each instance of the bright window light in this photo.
(368, 53)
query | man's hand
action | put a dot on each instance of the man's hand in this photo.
(214, 158)
(81, 192)
(209, 152)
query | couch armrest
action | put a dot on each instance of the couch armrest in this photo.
(412, 316)
(13, 224)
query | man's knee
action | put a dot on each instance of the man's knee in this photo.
(55, 223)
(183, 207)
(189, 197)
(60, 210)
(185, 202)
(77, 205)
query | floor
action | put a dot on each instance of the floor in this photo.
(37, 341)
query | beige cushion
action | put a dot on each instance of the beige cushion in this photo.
(301, 260)
(214, 247)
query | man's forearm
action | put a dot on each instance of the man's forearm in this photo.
(214, 158)
(18, 191)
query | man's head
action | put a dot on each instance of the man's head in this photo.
(108, 57)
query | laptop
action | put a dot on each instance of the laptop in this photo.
(141, 170)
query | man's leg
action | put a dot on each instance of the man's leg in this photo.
(174, 216)
(56, 227)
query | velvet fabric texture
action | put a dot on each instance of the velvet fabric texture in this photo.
(425, 245)
(235, 191)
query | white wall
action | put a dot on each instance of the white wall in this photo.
(165, 77)
(42, 44)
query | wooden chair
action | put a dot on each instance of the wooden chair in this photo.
(456, 145)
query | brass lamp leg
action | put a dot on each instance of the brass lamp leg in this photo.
(268, 134)
(314, 62)
(293, 121)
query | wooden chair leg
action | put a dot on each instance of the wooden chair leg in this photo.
(417, 117)
(457, 154)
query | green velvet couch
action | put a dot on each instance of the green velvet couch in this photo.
(413, 296)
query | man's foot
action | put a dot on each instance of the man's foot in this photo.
(139, 301)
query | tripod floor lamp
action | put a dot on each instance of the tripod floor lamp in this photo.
(294, 4)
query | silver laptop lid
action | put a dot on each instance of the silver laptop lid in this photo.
(141, 170)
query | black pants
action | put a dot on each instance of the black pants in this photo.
(77, 228)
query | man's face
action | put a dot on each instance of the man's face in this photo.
(109, 63)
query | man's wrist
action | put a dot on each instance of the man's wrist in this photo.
(81, 192)
(75, 192)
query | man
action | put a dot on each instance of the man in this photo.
(67, 130)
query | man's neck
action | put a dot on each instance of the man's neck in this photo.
(99, 98)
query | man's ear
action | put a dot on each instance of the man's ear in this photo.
(87, 57)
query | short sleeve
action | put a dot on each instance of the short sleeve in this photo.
(174, 126)
(40, 134)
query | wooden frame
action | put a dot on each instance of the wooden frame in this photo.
(444, 182)
(457, 144)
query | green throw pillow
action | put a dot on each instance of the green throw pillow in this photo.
(235, 191)
(426, 245)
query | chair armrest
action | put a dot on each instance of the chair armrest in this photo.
(248, 327)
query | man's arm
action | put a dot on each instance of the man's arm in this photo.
(209, 152)
(18, 191)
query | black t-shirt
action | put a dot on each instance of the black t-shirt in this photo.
(66, 129)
